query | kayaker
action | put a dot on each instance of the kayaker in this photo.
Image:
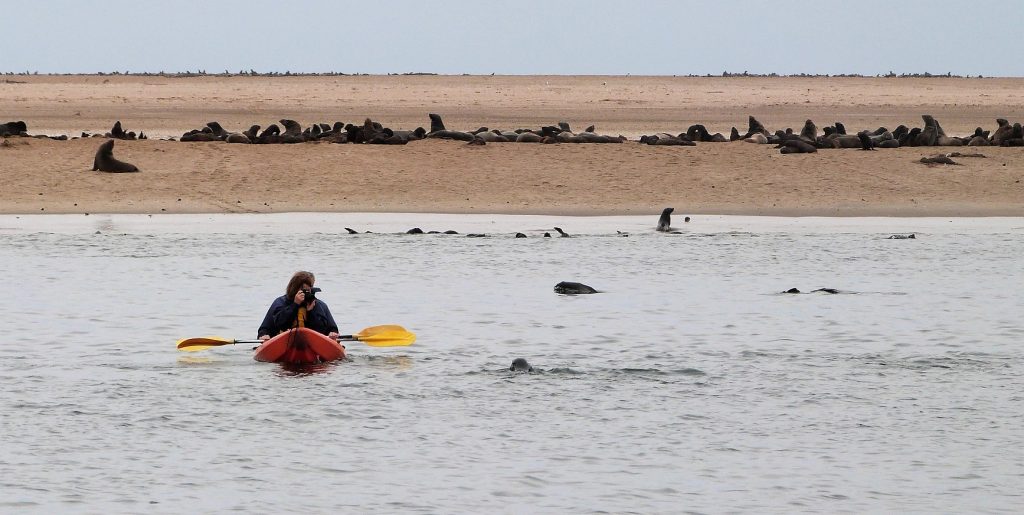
(293, 309)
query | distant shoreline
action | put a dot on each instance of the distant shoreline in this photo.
(723, 75)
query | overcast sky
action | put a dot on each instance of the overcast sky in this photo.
(516, 37)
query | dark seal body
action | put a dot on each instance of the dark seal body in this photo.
(105, 161)
(571, 288)
(665, 221)
(520, 365)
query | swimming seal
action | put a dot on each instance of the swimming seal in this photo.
(105, 161)
(665, 221)
(520, 365)
(571, 288)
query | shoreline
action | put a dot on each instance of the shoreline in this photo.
(496, 225)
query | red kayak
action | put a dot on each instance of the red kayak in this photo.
(300, 345)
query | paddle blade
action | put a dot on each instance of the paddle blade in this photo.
(197, 344)
(378, 329)
(389, 339)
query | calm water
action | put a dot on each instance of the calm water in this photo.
(690, 384)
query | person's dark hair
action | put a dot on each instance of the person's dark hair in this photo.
(296, 282)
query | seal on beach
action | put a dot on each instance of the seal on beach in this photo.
(665, 221)
(520, 365)
(561, 232)
(571, 288)
(810, 131)
(865, 141)
(910, 236)
(940, 159)
(437, 130)
(105, 161)
(18, 128)
(796, 146)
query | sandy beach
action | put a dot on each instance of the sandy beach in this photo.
(46, 176)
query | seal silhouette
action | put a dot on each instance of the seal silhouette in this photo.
(520, 365)
(665, 221)
(105, 161)
(571, 288)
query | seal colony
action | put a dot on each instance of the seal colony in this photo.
(220, 172)
(805, 141)
(788, 141)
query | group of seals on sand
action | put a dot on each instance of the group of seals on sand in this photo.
(788, 141)
(369, 132)
(559, 133)
(808, 140)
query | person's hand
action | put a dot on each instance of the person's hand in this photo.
(264, 337)
(332, 335)
(300, 297)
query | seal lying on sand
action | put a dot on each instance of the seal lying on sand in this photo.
(571, 288)
(105, 161)
(18, 128)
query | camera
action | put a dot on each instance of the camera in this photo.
(310, 294)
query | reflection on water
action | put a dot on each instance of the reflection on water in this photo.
(692, 383)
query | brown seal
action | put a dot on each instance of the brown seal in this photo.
(105, 161)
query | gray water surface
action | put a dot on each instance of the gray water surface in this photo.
(689, 385)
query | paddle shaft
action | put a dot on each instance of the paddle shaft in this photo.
(340, 337)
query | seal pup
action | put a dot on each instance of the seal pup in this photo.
(665, 221)
(105, 161)
(571, 288)
(865, 141)
(520, 365)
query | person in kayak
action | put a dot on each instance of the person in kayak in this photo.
(298, 307)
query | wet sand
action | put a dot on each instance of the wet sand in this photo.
(44, 176)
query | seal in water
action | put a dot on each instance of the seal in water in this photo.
(571, 288)
(105, 161)
(520, 365)
(665, 222)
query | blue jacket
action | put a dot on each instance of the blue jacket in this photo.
(283, 312)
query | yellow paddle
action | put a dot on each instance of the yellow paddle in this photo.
(376, 336)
